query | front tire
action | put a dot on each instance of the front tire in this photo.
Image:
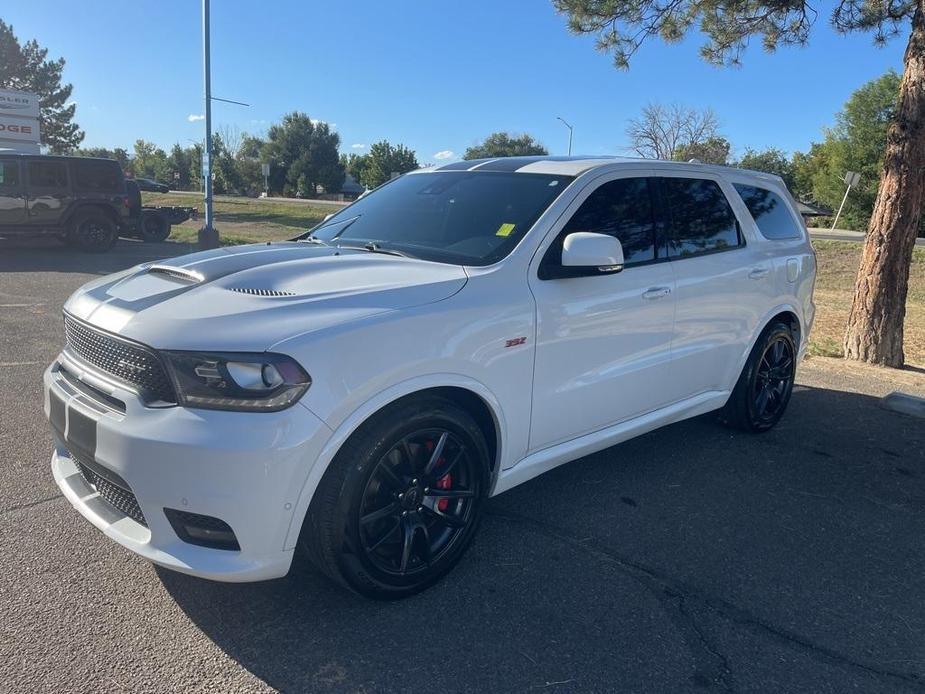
(763, 390)
(93, 232)
(401, 500)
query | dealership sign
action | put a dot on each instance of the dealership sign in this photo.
(19, 121)
(19, 129)
(21, 104)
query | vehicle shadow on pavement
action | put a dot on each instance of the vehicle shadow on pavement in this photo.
(50, 255)
(691, 558)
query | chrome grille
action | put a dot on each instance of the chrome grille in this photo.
(130, 362)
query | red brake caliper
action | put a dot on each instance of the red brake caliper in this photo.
(445, 482)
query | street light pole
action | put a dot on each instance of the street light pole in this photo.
(569, 134)
(208, 236)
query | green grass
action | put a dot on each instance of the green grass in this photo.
(245, 220)
(837, 268)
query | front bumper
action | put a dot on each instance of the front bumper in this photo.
(246, 469)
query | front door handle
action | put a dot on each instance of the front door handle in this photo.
(656, 292)
(758, 273)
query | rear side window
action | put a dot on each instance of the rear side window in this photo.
(621, 208)
(9, 173)
(770, 212)
(98, 176)
(47, 174)
(702, 221)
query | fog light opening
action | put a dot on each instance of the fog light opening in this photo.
(204, 531)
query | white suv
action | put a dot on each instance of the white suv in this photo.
(360, 392)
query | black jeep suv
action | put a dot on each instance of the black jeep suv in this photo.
(82, 200)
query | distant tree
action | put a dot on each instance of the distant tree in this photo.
(26, 67)
(856, 143)
(247, 161)
(355, 165)
(713, 150)
(179, 164)
(662, 131)
(383, 160)
(772, 161)
(875, 323)
(226, 176)
(150, 161)
(195, 164)
(805, 166)
(505, 145)
(303, 156)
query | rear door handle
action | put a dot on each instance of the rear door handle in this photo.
(757, 273)
(656, 292)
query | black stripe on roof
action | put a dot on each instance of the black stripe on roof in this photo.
(506, 164)
(462, 165)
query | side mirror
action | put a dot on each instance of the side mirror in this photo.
(598, 253)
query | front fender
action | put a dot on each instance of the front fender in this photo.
(364, 411)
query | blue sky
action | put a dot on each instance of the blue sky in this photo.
(437, 76)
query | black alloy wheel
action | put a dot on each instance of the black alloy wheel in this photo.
(93, 232)
(418, 501)
(401, 501)
(765, 385)
(773, 380)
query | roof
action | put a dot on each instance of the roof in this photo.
(60, 157)
(573, 166)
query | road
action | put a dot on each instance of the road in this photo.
(692, 559)
(846, 235)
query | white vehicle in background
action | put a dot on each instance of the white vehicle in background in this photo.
(360, 392)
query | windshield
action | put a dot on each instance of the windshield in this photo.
(463, 217)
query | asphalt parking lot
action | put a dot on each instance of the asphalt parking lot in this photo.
(690, 559)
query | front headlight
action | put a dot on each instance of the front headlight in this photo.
(237, 381)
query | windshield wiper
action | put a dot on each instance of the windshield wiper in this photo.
(374, 247)
(310, 234)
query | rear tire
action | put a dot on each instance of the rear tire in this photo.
(93, 232)
(153, 227)
(401, 501)
(763, 390)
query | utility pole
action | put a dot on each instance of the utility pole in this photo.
(569, 133)
(208, 236)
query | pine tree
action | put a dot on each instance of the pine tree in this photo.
(27, 68)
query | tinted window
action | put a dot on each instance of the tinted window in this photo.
(770, 212)
(9, 173)
(702, 220)
(47, 174)
(621, 208)
(95, 175)
(465, 217)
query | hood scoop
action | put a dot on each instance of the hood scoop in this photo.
(258, 291)
(177, 273)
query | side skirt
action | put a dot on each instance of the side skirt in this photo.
(549, 458)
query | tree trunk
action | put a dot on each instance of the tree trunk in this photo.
(875, 324)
